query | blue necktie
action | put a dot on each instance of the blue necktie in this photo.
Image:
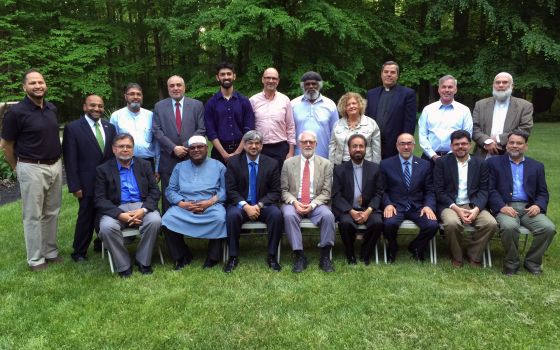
(407, 175)
(253, 183)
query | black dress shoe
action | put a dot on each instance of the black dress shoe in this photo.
(326, 265)
(416, 256)
(509, 272)
(209, 263)
(300, 264)
(273, 263)
(97, 245)
(79, 258)
(532, 270)
(390, 259)
(145, 270)
(351, 260)
(126, 273)
(181, 263)
(231, 264)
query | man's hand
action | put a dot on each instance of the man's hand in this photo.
(533, 210)
(187, 205)
(491, 148)
(428, 212)
(435, 157)
(472, 214)
(253, 211)
(509, 211)
(302, 209)
(132, 218)
(181, 151)
(226, 156)
(78, 194)
(156, 175)
(389, 211)
(462, 213)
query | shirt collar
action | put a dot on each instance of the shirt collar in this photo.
(120, 167)
(175, 101)
(511, 160)
(303, 159)
(458, 162)
(90, 121)
(233, 95)
(256, 160)
(409, 160)
(503, 103)
(449, 106)
(357, 166)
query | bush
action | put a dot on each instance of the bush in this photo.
(6, 172)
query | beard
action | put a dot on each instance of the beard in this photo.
(124, 158)
(135, 106)
(502, 95)
(307, 153)
(226, 84)
(311, 95)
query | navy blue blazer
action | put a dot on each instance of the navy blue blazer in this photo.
(82, 154)
(402, 116)
(501, 183)
(421, 192)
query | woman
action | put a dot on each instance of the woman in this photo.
(351, 107)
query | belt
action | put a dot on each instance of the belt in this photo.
(38, 161)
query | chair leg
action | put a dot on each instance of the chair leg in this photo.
(226, 252)
(434, 244)
(110, 258)
(160, 254)
(489, 254)
(102, 250)
(385, 250)
(376, 253)
(279, 249)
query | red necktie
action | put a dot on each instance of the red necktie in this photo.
(178, 117)
(305, 184)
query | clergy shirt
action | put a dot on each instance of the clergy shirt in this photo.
(499, 118)
(228, 119)
(358, 187)
(129, 187)
(311, 173)
(519, 194)
(91, 123)
(274, 118)
(462, 188)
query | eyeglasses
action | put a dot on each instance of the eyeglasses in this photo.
(307, 142)
(196, 147)
(134, 94)
(124, 146)
(460, 144)
(406, 143)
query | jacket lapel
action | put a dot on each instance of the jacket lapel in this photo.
(86, 129)
(510, 115)
(117, 179)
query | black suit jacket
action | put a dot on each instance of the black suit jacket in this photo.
(343, 187)
(82, 154)
(421, 192)
(268, 180)
(108, 187)
(446, 181)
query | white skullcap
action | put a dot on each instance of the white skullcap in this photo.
(197, 139)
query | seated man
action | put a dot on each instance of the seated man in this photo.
(126, 195)
(306, 182)
(357, 193)
(519, 196)
(409, 194)
(461, 186)
(253, 191)
(196, 191)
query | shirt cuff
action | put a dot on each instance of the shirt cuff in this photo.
(241, 204)
(489, 141)
(313, 206)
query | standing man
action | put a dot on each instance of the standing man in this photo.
(274, 119)
(306, 182)
(253, 192)
(357, 194)
(314, 112)
(31, 144)
(439, 119)
(86, 144)
(409, 194)
(137, 121)
(519, 196)
(393, 107)
(176, 119)
(228, 115)
(494, 117)
(461, 186)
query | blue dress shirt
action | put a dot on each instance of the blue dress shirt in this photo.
(129, 187)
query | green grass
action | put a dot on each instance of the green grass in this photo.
(381, 306)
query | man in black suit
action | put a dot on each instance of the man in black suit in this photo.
(409, 194)
(461, 186)
(393, 107)
(86, 144)
(175, 120)
(126, 195)
(357, 193)
(253, 192)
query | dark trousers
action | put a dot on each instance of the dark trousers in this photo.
(164, 177)
(348, 228)
(270, 215)
(152, 162)
(179, 249)
(86, 222)
(278, 151)
(428, 229)
(229, 147)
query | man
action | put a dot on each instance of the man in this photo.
(137, 121)
(253, 191)
(274, 119)
(306, 182)
(176, 119)
(409, 195)
(393, 107)
(228, 115)
(519, 196)
(439, 119)
(494, 117)
(127, 195)
(314, 112)
(461, 186)
(357, 194)
(31, 145)
(86, 144)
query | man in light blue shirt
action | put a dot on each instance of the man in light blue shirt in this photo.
(439, 119)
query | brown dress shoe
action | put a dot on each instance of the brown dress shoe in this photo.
(39, 267)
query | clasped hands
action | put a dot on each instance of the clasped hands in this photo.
(132, 217)
(302, 209)
(198, 207)
(467, 216)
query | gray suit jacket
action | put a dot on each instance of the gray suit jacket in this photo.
(519, 116)
(165, 131)
(322, 180)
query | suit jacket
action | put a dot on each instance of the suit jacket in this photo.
(82, 154)
(446, 181)
(402, 116)
(268, 180)
(322, 180)
(108, 187)
(343, 187)
(421, 193)
(501, 183)
(165, 129)
(519, 116)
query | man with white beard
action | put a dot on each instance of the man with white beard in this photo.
(494, 117)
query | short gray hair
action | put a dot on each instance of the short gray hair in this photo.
(445, 78)
(253, 135)
(312, 133)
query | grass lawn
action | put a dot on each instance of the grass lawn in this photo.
(380, 306)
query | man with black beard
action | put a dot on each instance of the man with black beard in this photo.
(494, 117)
(228, 115)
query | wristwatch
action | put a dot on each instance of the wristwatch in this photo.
(261, 205)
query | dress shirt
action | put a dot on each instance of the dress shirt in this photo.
(242, 203)
(462, 188)
(357, 170)
(91, 123)
(274, 118)
(338, 147)
(519, 194)
(228, 119)
(180, 106)
(311, 174)
(438, 121)
(499, 118)
(319, 117)
(129, 187)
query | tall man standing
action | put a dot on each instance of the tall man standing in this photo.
(228, 115)
(31, 144)
(86, 144)
(175, 120)
(393, 107)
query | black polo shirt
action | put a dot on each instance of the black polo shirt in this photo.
(34, 130)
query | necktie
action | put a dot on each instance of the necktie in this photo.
(178, 122)
(406, 175)
(305, 184)
(99, 137)
(253, 183)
